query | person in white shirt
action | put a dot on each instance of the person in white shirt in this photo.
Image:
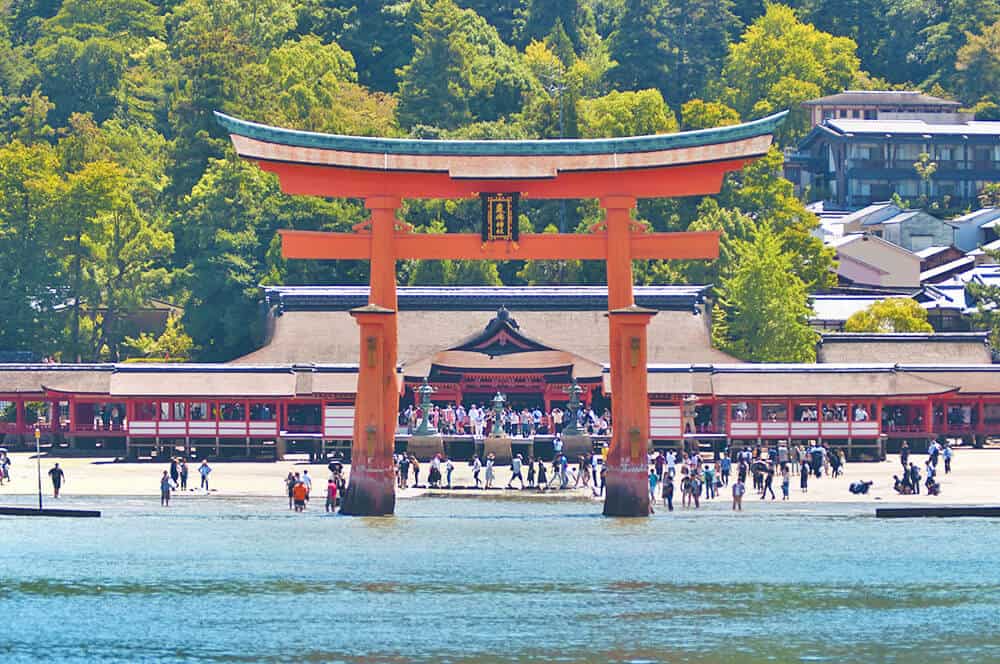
(308, 482)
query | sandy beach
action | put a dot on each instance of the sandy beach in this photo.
(973, 480)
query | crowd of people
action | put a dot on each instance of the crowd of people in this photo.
(522, 421)
(176, 478)
(908, 482)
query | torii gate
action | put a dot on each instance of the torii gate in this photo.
(383, 171)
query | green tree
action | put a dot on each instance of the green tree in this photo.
(460, 72)
(893, 314)
(762, 309)
(990, 195)
(986, 298)
(625, 114)
(312, 86)
(978, 65)
(640, 46)
(699, 33)
(700, 114)
(540, 18)
(761, 191)
(30, 188)
(781, 62)
(128, 258)
(377, 33)
(172, 344)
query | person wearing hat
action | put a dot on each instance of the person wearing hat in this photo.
(515, 472)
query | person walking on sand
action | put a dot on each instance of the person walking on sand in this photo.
(477, 467)
(290, 482)
(653, 477)
(183, 470)
(668, 492)
(58, 478)
(786, 481)
(515, 472)
(204, 469)
(804, 476)
(947, 458)
(308, 482)
(174, 470)
(415, 466)
(331, 495)
(696, 488)
(739, 488)
(166, 484)
(542, 476)
(489, 470)
(449, 467)
(300, 494)
(768, 483)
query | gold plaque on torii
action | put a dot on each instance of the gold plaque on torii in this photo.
(499, 217)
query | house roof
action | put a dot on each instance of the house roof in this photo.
(821, 381)
(37, 378)
(942, 272)
(844, 126)
(977, 216)
(931, 251)
(882, 98)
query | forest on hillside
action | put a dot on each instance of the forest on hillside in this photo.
(117, 187)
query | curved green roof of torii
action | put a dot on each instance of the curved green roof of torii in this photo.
(500, 148)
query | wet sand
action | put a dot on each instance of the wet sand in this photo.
(974, 480)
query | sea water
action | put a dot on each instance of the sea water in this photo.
(490, 580)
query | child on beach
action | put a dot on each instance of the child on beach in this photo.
(739, 488)
(331, 495)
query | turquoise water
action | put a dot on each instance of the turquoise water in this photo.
(460, 580)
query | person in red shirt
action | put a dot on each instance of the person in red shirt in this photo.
(299, 494)
(331, 495)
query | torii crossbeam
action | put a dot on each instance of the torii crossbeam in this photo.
(384, 171)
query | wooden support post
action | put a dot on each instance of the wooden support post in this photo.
(371, 491)
(372, 482)
(627, 487)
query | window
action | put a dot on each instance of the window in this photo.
(8, 411)
(263, 412)
(774, 412)
(145, 411)
(871, 115)
(172, 411)
(862, 412)
(200, 411)
(232, 412)
(806, 412)
(855, 114)
(835, 412)
(742, 411)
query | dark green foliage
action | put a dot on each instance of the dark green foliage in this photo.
(117, 185)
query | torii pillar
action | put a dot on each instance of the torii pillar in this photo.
(627, 484)
(372, 488)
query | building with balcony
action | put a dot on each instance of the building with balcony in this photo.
(884, 105)
(852, 163)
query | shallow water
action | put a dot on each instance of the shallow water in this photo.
(460, 580)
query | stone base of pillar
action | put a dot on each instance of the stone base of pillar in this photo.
(501, 448)
(626, 491)
(577, 445)
(425, 447)
(370, 493)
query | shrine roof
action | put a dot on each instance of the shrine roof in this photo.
(484, 298)
(505, 148)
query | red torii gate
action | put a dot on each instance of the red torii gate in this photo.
(384, 171)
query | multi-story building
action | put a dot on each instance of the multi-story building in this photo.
(852, 163)
(884, 105)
